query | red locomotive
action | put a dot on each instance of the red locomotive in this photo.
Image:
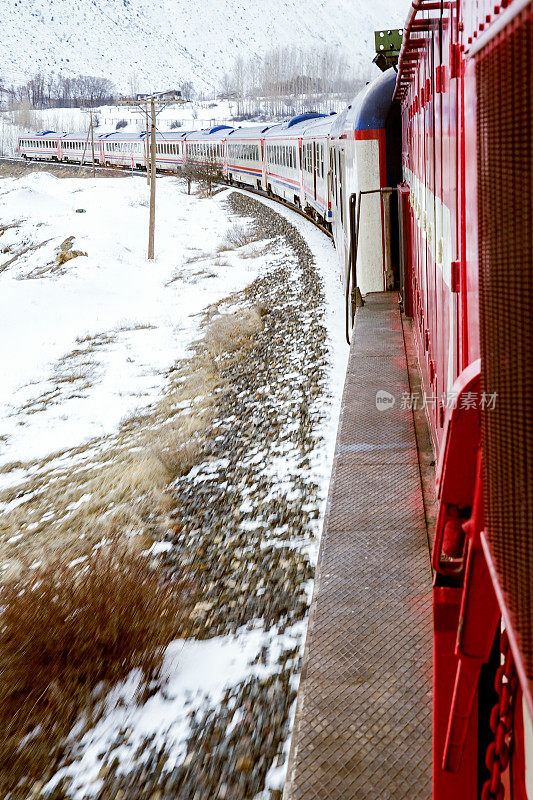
(465, 88)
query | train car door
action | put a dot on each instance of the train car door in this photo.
(263, 165)
(315, 168)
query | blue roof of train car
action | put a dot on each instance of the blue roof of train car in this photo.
(369, 109)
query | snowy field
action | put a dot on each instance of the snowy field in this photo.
(89, 342)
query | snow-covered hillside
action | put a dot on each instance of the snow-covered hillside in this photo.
(158, 44)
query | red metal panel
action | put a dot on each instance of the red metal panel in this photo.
(505, 172)
(461, 785)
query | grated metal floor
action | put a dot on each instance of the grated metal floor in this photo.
(363, 720)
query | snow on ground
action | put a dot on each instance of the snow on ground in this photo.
(103, 328)
(193, 674)
(89, 343)
(197, 672)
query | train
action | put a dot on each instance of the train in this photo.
(306, 161)
(425, 184)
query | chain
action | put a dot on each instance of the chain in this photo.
(501, 724)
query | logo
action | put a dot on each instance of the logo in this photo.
(384, 400)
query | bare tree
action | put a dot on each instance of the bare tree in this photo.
(187, 91)
(133, 84)
(206, 175)
(43, 91)
(290, 80)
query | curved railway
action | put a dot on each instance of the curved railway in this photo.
(424, 183)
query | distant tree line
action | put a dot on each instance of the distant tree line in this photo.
(59, 91)
(290, 80)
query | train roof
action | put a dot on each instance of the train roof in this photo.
(252, 131)
(317, 127)
(43, 135)
(75, 136)
(121, 136)
(311, 124)
(218, 133)
(168, 136)
(369, 109)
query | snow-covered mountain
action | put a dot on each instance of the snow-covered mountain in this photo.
(158, 44)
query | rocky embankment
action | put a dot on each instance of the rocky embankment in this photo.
(244, 523)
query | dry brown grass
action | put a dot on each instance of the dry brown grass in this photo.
(239, 235)
(66, 630)
(70, 500)
(230, 332)
(63, 632)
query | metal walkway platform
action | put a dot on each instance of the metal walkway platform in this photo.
(363, 720)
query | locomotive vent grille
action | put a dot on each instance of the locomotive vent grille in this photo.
(505, 212)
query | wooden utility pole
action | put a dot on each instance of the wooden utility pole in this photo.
(90, 136)
(148, 108)
(92, 143)
(147, 148)
(85, 146)
(153, 171)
